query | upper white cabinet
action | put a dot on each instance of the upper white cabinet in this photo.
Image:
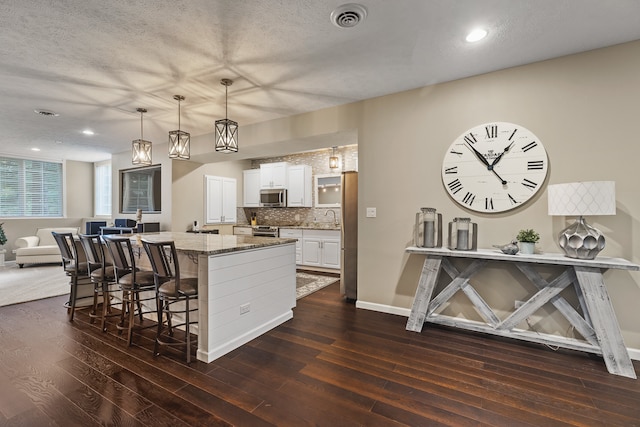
(251, 188)
(220, 199)
(299, 188)
(328, 191)
(273, 175)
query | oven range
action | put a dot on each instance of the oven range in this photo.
(265, 231)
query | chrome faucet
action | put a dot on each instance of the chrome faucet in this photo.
(335, 218)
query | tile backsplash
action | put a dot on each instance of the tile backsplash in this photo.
(319, 162)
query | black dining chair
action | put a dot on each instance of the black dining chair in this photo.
(137, 285)
(176, 295)
(75, 266)
(102, 275)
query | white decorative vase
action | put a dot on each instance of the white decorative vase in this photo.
(527, 248)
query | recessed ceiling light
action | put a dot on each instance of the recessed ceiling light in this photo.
(476, 35)
(35, 149)
(88, 132)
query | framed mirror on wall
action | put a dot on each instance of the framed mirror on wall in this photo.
(327, 191)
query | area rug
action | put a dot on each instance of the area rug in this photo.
(31, 283)
(309, 283)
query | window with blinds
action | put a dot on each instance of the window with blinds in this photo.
(30, 188)
(102, 189)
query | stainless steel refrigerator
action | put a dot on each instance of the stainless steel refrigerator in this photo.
(349, 241)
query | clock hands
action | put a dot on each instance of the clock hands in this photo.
(486, 163)
(497, 159)
(479, 155)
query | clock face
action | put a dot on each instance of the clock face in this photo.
(494, 167)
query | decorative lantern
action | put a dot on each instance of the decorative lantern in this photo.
(428, 229)
(463, 235)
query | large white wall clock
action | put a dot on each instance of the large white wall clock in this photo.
(494, 167)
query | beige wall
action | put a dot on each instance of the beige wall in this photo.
(582, 107)
(159, 157)
(79, 205)
(188, 188)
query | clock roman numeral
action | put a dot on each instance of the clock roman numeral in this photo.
(535, 165)
(529, 146)
(492, 131)
(451, 170)
(488, 203)
(455, 186)
(470, 138)
(469, 198)
(513, 133)
(529, 184)
(511, 199)
(456, 152)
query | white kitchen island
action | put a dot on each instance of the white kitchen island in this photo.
(246, 285)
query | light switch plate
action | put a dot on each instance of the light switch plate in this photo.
(371, 212)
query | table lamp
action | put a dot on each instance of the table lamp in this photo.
(580, 240)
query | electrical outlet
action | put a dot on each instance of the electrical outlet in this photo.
(518, 304)
(245, 308)
(371, 212)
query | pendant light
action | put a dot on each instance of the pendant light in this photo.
(333, 160)
(141, 148)
(226, 130)
(179, 141)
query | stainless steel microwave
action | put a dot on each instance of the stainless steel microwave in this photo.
(273, 198)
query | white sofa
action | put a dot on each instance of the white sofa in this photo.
(41, 248)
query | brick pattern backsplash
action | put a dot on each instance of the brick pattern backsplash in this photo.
(319, 162)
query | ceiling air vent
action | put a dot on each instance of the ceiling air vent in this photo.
(46, 113)
(348, 15)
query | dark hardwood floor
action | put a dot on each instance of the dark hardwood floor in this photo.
(331, 365)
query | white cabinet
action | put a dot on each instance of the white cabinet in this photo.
(321, 248)
(294, 233)
(251, 188)
(299, 187)
(220, 199)
(328, 191)
(273, 175)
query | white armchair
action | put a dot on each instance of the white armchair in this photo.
(40, 248)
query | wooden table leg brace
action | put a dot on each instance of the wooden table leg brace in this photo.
(598, 326)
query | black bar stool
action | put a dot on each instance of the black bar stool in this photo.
(137, 285)
(102, 276)
(171, 289)
(74, 266)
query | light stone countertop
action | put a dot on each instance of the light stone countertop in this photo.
(309, 226)
(316, 226)
(209, 244)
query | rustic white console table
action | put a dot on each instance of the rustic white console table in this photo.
(597, 324)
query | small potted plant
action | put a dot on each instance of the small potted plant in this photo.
(3, 240)
(527, 239)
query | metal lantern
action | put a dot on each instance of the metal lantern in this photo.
(463, 235)
(428, 229)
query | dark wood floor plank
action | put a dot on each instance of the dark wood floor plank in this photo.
(332, 364)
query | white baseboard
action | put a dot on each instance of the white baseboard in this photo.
(389, 309)
(634, 353)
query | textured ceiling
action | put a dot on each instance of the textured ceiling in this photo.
(94, 61)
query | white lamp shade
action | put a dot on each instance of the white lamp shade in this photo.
(582, 198)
